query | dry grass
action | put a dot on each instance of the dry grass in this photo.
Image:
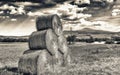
(95, 61)
(10, 53)
(86, 59)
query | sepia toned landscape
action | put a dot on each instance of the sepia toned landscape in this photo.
(91, 28)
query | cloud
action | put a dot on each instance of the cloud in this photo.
(97, 25)
(115, 12)
(34, 13)
(12, 9)
(13, 19)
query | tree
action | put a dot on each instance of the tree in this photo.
(71, 39)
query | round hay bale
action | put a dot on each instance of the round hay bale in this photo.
(67, 59)
(36, 63)
(62, 45)
(58, 62)
(44, 39)
(64, 49)
(49, 21)
(58, 58)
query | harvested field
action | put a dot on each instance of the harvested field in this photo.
(10, 53)
(86, 59)
(9, 57)
(97, 60)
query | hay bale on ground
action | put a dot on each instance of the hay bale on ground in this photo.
(37, 62)
(64, 49)
(44, 39)
(57, 59)
(67, 59)
(49, 21)
(62, 44)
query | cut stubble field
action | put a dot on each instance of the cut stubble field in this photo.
(10, 53)
(90, 59)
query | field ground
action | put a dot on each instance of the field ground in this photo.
(9, 56)
(87, 59)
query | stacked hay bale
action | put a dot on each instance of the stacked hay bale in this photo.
(53, 22)
(64, 49)
(47, 48)
(35, 63)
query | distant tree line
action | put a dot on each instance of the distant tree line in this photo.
(73, 38)
(13, 39)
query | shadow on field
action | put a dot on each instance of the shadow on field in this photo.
(9, 71)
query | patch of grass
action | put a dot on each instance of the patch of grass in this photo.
(10, 53)
(105, 62)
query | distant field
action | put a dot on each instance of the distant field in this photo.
(89, 59)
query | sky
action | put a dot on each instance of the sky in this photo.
(25, 24)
